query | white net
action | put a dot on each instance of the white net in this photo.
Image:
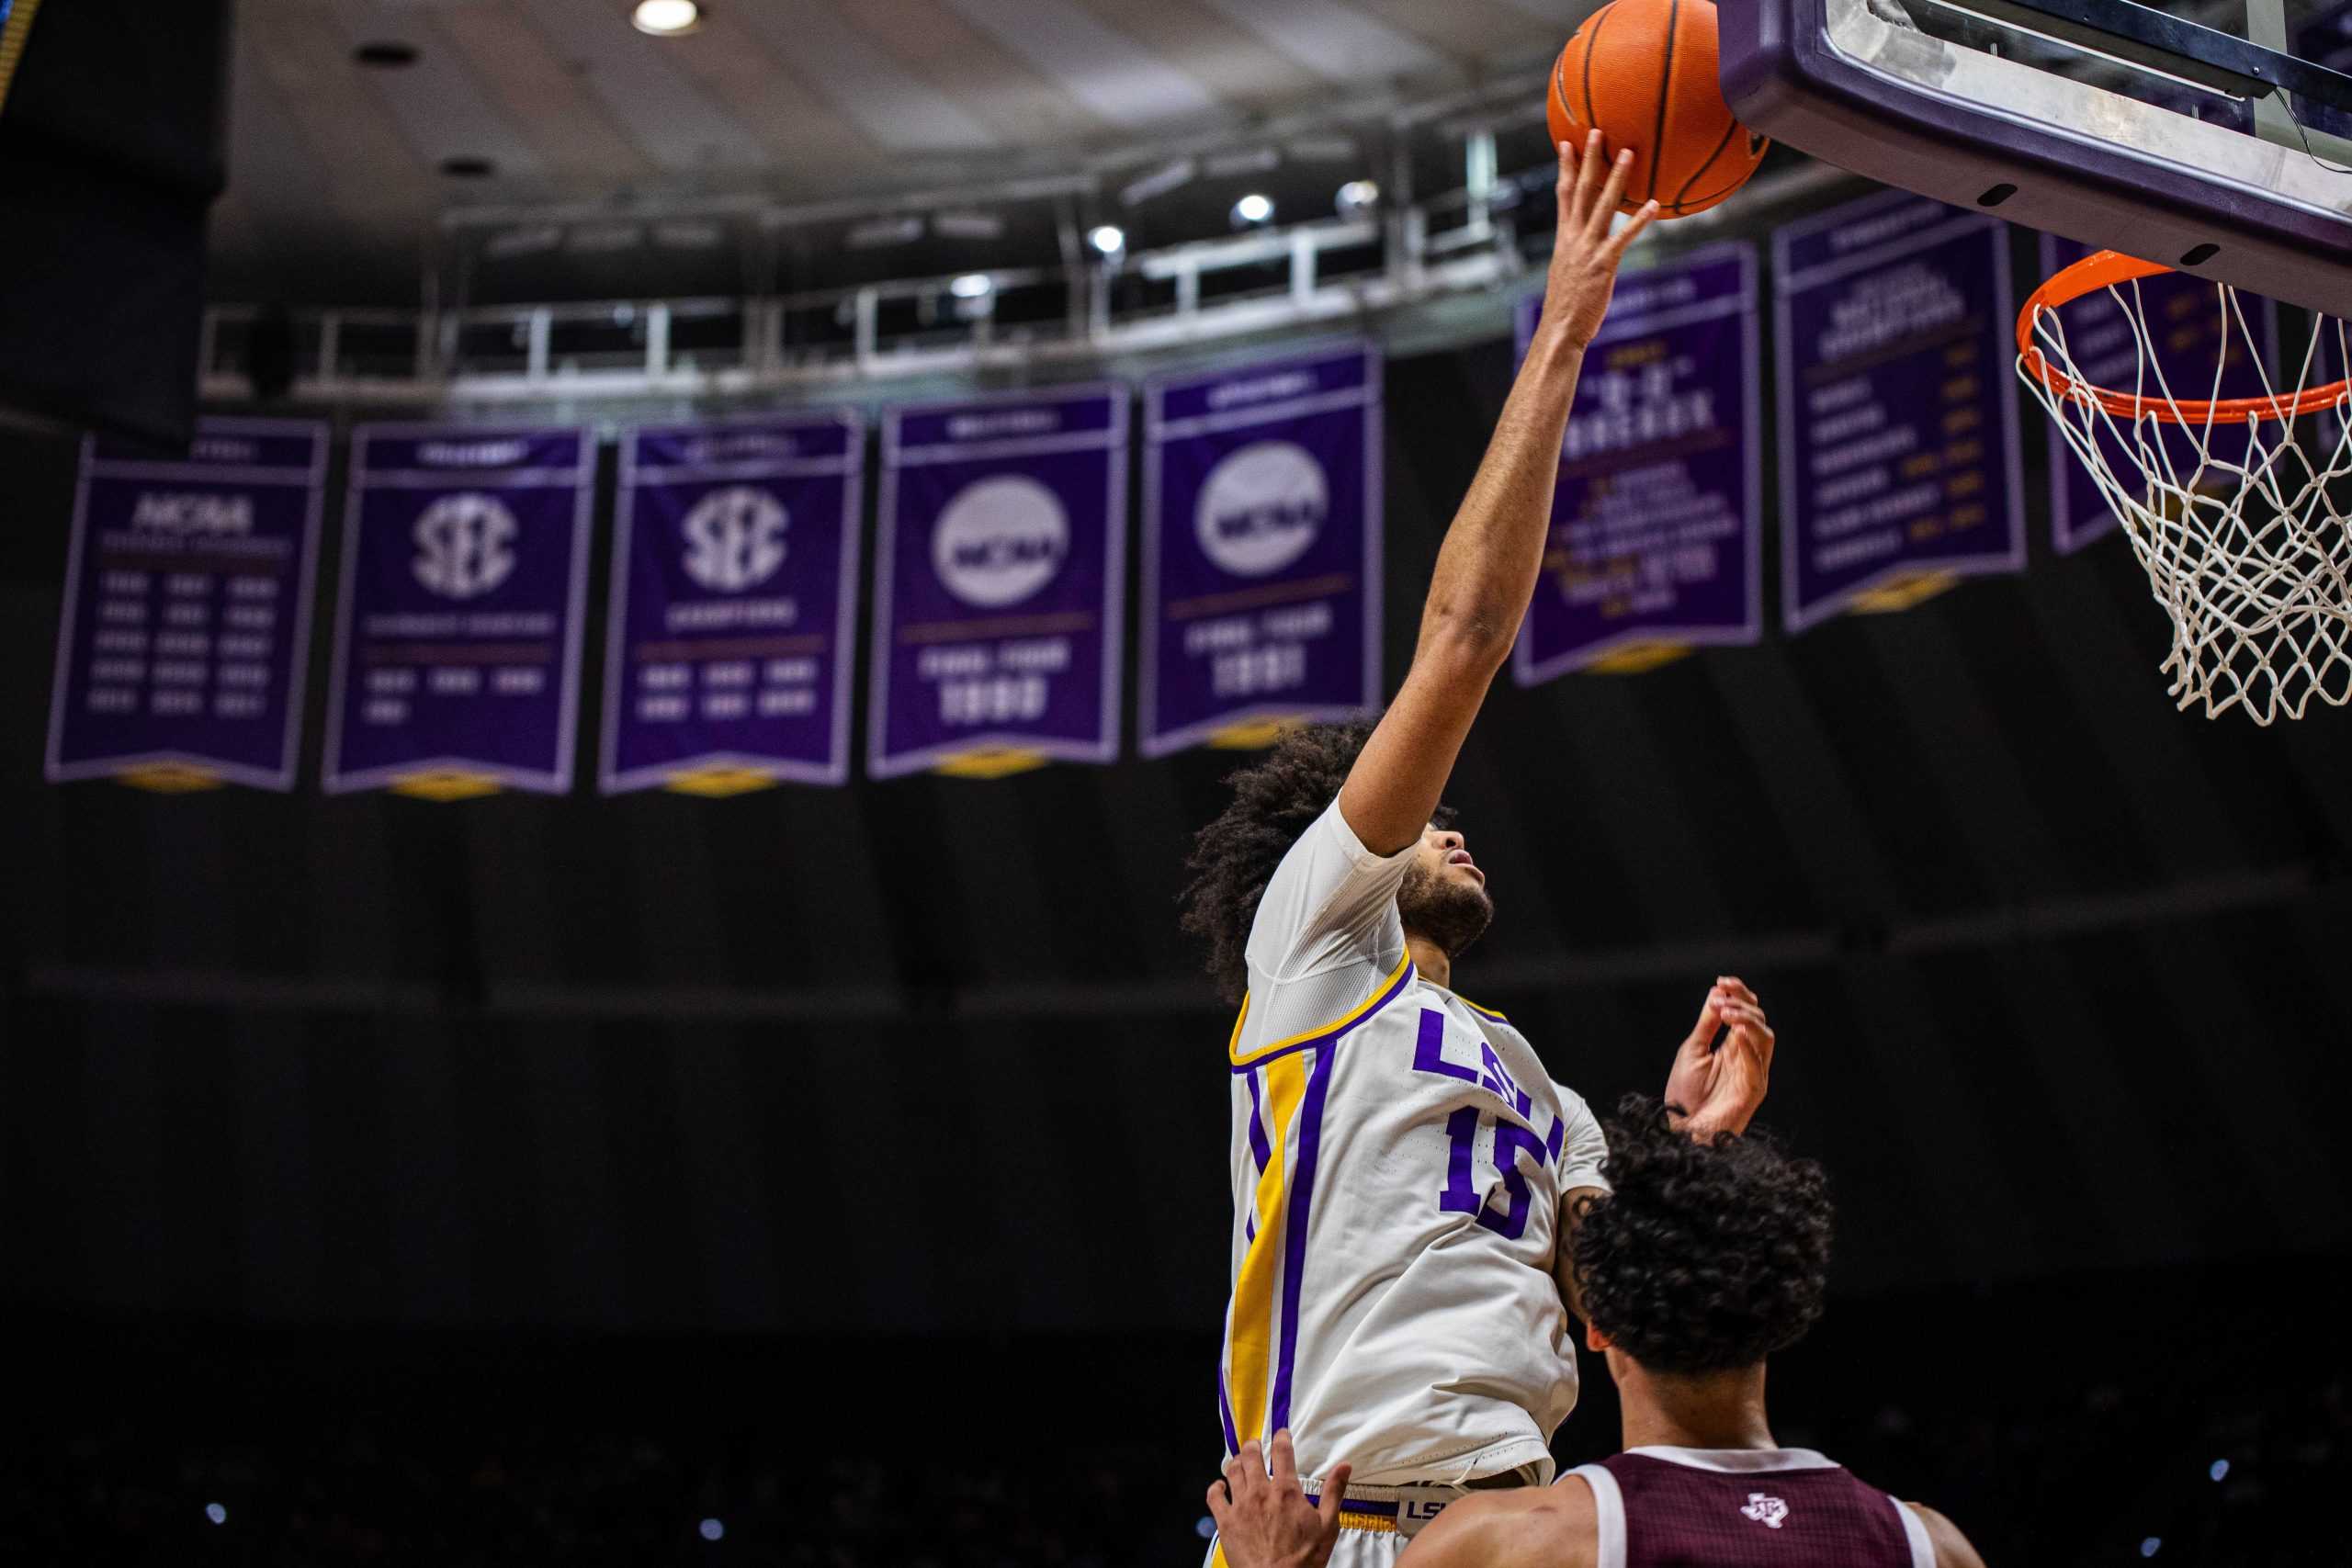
(2240, 526)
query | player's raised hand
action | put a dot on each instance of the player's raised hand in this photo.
(1264, 1519)
(1585, 254)
(1725, 1065)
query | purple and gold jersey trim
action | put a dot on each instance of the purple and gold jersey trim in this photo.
(1253, 1384)
(1482, 1013)
(1390, 988)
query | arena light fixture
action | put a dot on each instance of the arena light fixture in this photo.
(1108, 238)
(1252, 210)
(971, 286)
(1357, 197)
(666, 19)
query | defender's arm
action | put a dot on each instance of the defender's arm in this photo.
(1486, 568)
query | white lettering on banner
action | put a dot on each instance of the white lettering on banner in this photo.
(1887, 306)
(1012, 421)
(162, 512)
(1263, 389)
(465, 545)
(736, 446)
(722, 614)
(1277, 668)
(1003, 699)
(223, 449)
(473, 454)
(734, 539)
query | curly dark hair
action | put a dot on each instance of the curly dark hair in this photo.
(1702, 1257)
(1275, 800)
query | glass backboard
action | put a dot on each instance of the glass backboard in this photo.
(2211, 135)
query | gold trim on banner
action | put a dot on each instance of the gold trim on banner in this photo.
(446, 783)
(720, 781)
(12, 42)
(1254, 734)
(1903, 593)
(171, 778)
(991, 763)
(1638, 658)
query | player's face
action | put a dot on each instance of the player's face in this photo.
(1444, 895)
(1445, 858)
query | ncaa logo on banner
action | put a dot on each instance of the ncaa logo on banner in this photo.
(734, 539)
(1000, 541)
(1261, 508)
(465, 545)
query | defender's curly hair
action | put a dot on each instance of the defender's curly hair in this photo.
(1234, 857)
(1702, 1257)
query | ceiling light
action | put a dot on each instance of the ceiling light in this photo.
(971, 286)
(878, 231)
(1108, 238)
(1159, 182)
(968, 225)
(1358, 198)
(1253, 208)
(666, 19)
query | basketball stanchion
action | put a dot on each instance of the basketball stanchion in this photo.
(2237, 507)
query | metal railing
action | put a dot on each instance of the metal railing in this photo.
(1318, 273)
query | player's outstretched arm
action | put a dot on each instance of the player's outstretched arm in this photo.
(1486, 569)
(1952, 1549)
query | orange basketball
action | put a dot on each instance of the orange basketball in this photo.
(1643, 71)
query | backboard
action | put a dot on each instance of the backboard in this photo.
(2214, 136)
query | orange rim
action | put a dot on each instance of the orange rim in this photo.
(2110, 269)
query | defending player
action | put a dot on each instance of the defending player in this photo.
(1702, 1261)
(1400, 1157)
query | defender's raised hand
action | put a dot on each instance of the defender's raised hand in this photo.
(1266, 1520)
(1725, 1065)
(1585, 254)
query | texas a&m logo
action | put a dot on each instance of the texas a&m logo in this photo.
(1770, 1512)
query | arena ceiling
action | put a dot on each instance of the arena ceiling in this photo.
(563, 100)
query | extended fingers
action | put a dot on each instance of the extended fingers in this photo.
(1613, 196)
(1286, 1465)
(1592, 172)
(1624, 238)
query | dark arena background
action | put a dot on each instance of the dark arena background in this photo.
(837, 1174)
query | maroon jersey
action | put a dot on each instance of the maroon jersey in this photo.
(1747, 1508)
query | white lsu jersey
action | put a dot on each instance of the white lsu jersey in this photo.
(1398, 1156)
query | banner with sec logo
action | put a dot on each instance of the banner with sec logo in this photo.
(465, 573)
(1261, 547)
(999, 570)
(733, 603)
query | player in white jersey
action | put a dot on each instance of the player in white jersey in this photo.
(1401, 1161)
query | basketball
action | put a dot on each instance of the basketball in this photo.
(1643, 72)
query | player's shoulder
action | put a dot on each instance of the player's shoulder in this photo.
(1953, 1550)
(1532, 1527)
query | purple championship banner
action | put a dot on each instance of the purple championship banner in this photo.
(1261, 517)
(1897, 405)
(728, 650)
(998, 580)
(185, 631)
(465, 576)
(2186, 328)
(1657, 530)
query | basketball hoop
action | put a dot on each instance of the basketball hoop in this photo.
(2237, 507)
